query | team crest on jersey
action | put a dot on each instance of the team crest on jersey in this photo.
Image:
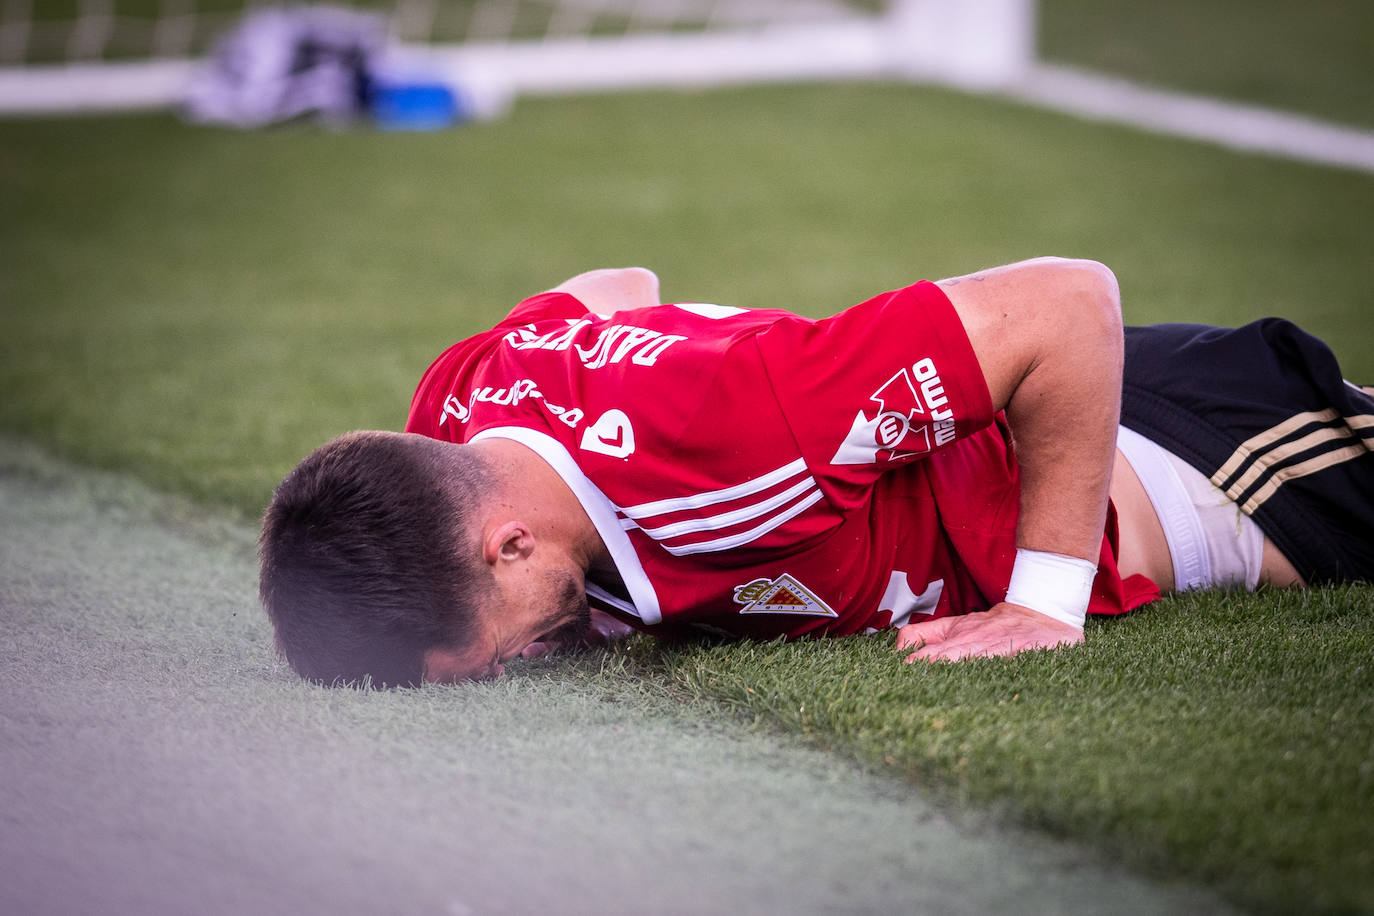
(783, 595)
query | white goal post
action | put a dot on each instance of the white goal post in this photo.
(977, 44)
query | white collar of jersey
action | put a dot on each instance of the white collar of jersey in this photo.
(598, 508)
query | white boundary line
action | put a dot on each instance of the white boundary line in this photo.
(835, 51)
(1250, 128)
(66, 89)
(854, 51)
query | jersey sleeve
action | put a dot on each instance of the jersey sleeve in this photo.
(878, 386)
(543, 307)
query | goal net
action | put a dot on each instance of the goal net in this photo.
(73, 55)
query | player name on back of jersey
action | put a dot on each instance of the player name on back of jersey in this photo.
(615, 342)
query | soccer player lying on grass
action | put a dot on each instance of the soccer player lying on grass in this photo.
(937, 459)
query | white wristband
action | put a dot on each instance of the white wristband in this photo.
(1053, 584)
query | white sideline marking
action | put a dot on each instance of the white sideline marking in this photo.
(858, 50)
(1243, 127)
(64, 89)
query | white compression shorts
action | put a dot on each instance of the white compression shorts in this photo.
(1211, 542)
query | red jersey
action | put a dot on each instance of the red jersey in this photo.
(753, 471)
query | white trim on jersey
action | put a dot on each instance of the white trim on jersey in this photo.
(711, 497)
(802, 494)
(599, 509)
(610, 600)
(710, 309)
(744, 537)
(733, 517)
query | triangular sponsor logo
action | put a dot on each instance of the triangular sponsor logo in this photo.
(783, 595)
(893, 432)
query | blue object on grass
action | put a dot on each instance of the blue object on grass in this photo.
(415, 106)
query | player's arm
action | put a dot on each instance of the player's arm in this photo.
(1047, 335)
(613, 288)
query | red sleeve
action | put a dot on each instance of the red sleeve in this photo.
(543, 307)
(877, 386)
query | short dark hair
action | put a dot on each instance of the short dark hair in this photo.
(365, 562)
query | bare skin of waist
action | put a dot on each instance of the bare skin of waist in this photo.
(1144, 550)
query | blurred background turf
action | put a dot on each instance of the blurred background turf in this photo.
(204, 306)
(1314, 56)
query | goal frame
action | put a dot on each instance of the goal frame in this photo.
(970, 44)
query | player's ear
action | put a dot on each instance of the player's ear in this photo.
(507, 541)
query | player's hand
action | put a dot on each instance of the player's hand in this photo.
(1005, 629)
(604, 629)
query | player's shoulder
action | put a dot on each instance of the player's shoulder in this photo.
(544, 306)
(720, 326)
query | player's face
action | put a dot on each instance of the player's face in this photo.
(545, 606)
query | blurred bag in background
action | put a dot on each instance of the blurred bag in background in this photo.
(286, 63)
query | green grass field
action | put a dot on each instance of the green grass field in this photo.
(201, 308)
(158, 759)
(1311, 57)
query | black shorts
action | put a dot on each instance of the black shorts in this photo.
(1264, 412)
